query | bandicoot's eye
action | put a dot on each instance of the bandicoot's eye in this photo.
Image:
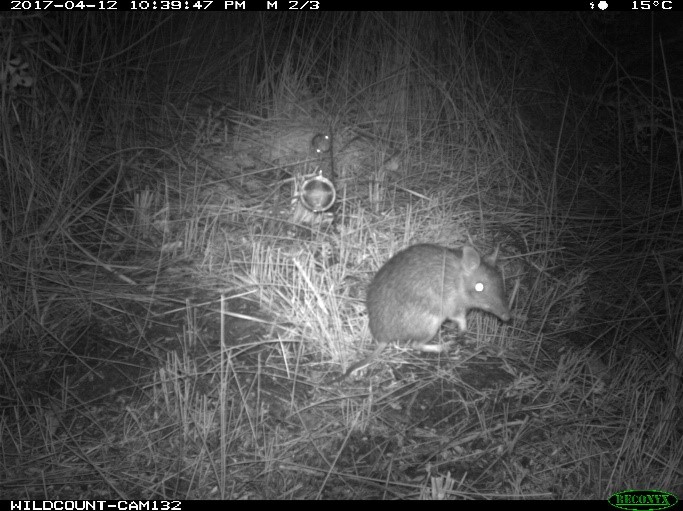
(479, 287)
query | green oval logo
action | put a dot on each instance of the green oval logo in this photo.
(643, 500)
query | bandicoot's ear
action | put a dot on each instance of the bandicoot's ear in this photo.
(492, 257)
(470, 259)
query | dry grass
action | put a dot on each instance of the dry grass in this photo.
(166, 333)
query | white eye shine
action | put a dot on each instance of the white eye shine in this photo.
(479, 287)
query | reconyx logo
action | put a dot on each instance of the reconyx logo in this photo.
(643, 500)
